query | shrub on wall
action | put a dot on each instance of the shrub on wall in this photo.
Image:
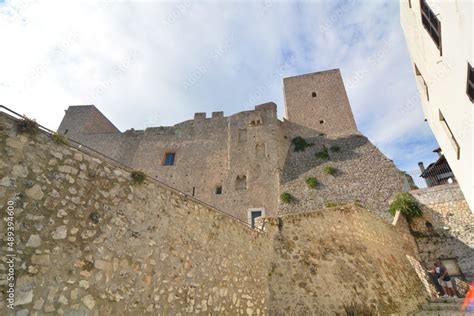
(406, 204)
(138, 176)
(311, 182)
(300, 143)
(330, 170)
(59, 138)
(286, 197)
(323, 154)
(329, 204)
(27, 126)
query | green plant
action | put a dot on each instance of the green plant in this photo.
(286, 197)
(300, 143)
(59, 138)
(138, 176)
(335, 148)
(354, 309)
(26, 126)
(406, 204)
(329, 204)
(328, 169)
(311, 182)
(323, 154)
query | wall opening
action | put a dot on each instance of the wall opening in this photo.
(314, 94)
(451, 264)
(219, 189)
(242, 136)
(450, 135)
(431, 23)
(260, 150)
(194, 190)
(253, 214)
(169, 158)
(65, 132)
(422, 82)
(470, 82)
(241, 183)
(321, 121)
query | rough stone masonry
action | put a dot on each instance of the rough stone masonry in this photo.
(88, 241)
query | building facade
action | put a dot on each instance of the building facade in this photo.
(439, 36)
(242, 163)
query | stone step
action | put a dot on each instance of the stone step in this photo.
(447, 300)
(441, 307)
(439, 313)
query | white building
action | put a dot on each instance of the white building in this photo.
(439, 36)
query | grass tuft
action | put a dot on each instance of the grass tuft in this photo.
(138, 176)
(27, 126)
(330, 170)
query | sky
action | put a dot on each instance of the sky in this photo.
(154, 63)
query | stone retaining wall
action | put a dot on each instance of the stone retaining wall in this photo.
(446, 229)
(90, 242)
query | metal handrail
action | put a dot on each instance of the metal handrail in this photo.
(79, 146)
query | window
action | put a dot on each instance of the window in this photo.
(169, 159)
(452, 266)
(242, 136)
(470, 82)
(219, 189)
(65, 132)
(314, 94)
(260, 150)
(241, 183)
(422, 82)
(450, 134)
(253, 214)
(431, 24)
(409, 4)
(321, 121)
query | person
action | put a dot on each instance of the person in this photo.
(468, 305)
(444, 279)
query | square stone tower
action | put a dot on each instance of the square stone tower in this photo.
(319, 101)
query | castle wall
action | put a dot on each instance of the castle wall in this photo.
(85, 119)
(247, 156)
(327, 259)
(319, 101)
(363, 174)
(445, 231)
(88, 241)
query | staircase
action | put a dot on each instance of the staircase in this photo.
(441, 307)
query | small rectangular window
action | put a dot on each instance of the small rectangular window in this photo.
(254, 215)
(169, 159)
(65, 132)
(431, 23)
(452, 266)
(219, 189)
(470, 82)
(450, 134)
(422, 82)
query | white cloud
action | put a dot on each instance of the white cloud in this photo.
(154, 63)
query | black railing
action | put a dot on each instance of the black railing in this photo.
(432, 176)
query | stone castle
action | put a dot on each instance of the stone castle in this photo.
(242, 163)
(207, 233)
